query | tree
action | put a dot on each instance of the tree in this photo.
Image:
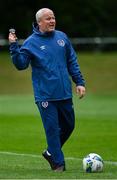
(78, 18)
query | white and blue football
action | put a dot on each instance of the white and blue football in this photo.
(93, 163)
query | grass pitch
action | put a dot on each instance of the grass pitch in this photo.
(22, 137)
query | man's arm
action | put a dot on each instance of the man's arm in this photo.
(74, 70)
(21, 59)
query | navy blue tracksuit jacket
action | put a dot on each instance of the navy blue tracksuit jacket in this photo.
(52, 59)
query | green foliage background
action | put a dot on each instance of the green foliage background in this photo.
(78, 18)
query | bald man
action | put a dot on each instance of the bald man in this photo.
(53, 61)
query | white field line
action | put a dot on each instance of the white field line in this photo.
(38, 156)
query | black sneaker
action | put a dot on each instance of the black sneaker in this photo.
(54, 166)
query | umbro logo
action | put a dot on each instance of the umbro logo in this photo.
(42, 47)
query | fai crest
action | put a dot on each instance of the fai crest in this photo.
(44, 104)
(61, 42)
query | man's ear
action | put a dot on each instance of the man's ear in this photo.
(39, 23)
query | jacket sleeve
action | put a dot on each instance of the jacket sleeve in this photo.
(20, 56)
(73, 66)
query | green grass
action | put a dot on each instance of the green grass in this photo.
(22, 134)
(100, 72)
(34, 167)
(13, 81)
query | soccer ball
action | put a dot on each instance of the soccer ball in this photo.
(93, 163)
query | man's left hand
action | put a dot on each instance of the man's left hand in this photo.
(80, 90)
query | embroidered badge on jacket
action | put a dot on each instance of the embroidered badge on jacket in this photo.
(61, 42)
(44, 104)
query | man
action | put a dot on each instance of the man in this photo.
(52, 59)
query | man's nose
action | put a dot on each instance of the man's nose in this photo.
(52, 20)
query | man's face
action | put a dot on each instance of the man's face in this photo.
(47, 22)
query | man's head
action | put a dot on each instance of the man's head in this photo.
(46, 20)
